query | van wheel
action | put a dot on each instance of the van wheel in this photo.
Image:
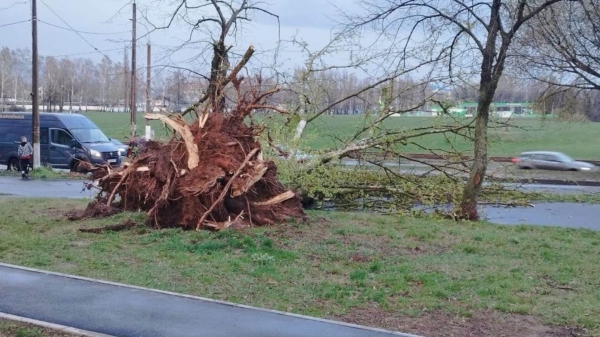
(75, 166)
(14, 164)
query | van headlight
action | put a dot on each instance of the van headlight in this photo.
(122, 152)
(95, 153)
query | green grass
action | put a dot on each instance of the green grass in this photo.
(577, 139)
(18, 329)
(337, 262)
(573, 138)
(45, 173)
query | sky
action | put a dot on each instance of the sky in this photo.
(310, 20)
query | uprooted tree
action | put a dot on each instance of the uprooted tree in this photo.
(211, 174)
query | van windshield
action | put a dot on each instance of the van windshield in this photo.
(89, 135)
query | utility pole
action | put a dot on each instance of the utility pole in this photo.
(126, 73)
(148, 94)
(133, 47)
(35, 112)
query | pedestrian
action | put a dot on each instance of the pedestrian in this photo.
(25, 151)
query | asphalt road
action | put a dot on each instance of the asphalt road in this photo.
(39, 188)
(557, 214)
(124, 311)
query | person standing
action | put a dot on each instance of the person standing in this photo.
(25, 152)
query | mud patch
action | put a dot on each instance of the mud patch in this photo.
(439, 324)
(358, 257)
(113, 228)
(94, 209)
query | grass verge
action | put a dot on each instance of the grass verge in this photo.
(391, 270)
(46, 173)
(18, 329)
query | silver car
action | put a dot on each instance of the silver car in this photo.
(546, 160)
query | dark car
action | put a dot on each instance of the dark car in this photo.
(65, 140)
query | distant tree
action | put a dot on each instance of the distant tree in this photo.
(475, 38)
(6, 65)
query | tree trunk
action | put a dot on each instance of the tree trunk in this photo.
(300, 129)
(488, 83)
(16, 84)
(468, 207)
(2, 95)
(218, 71)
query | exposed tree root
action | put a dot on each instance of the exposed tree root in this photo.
(211, 174)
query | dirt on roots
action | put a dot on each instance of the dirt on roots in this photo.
(211, 174)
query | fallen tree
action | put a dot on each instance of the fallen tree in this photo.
(211, 174)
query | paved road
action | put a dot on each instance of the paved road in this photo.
(125, 311)
(554, 189)
(557, 214)
(39, 188)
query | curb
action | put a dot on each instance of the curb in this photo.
(242, 306)
(52, 326)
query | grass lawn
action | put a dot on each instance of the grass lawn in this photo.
(45, 173)
(18, 329)
(577, 139)
(401, 273)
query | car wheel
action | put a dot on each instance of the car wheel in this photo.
(573, 170)
(14, 164)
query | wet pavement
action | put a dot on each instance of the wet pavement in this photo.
(554, 189)
(569, 215)
(41, 188)
(121, 310)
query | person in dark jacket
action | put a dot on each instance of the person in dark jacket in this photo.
(25, 152)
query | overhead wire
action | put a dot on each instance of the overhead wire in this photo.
(13, 5)
(79, 31)
(14, 23)
(74, 30)
(87, 53)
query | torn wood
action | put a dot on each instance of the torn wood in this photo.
(259, 172)
(186, 135)
(278, 199)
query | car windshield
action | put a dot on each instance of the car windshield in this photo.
(89, 135)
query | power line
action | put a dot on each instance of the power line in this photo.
(79, 31)
(74, 30)
(87, 53)
(13, 5)
(14, 23)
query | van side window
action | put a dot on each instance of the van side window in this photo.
(60, 137)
